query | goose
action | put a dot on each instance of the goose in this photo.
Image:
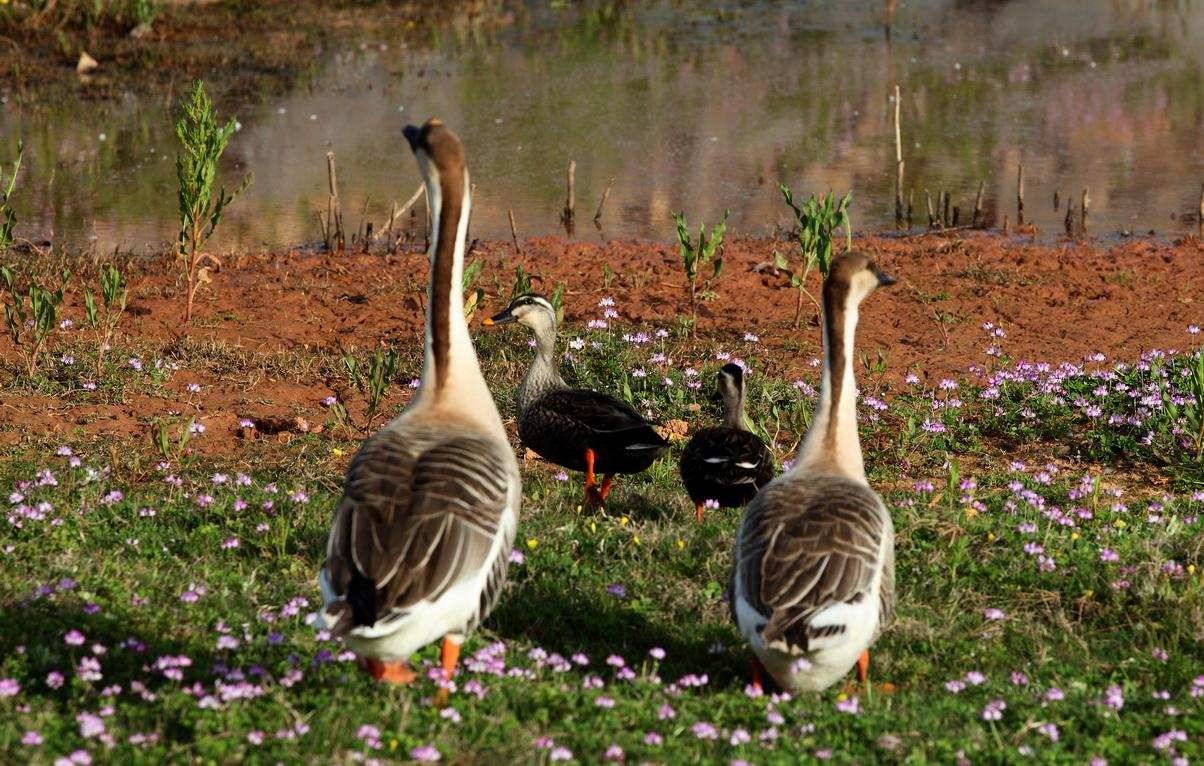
(726, 463)
(421, 537)
(814, 573)
(575, 428)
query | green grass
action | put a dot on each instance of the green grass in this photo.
(638, 576)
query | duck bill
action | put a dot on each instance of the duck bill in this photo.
(504, 317)
(885, 280)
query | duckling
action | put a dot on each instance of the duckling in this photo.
(813, 584)
(726, 463)
(575, 428)
(421, 538)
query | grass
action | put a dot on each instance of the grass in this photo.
(1051, 606)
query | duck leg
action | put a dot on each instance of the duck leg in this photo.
(607, 482)
(396, 672)
(863, 667)
(698, 512)
(593, 497)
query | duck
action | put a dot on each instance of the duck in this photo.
(421, 538)
(813, 577)
(727, 463)
(575, 428)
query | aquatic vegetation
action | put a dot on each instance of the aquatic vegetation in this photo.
(695, 256)
(104, 321)
(31, 313)
(202, 142)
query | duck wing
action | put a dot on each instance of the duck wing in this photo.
(725, 458)
(596, 419)
(808, 545)
(420, 512)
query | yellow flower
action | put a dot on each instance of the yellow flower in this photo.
(990, 537)
(392, 744)
(593, 526)
(635, 539)
(1119, 524)
(1191, 568)
(624, 521)
(334, 450)
(532, 543)
(1074, 535)
(681, 544)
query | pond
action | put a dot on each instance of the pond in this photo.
(693, 106)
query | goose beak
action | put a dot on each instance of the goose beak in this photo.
(411, 134)
(885, 280)
(503, 317)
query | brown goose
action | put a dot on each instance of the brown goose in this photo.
(576, 428)
(814, 575)
(421, 539)
(726, 463)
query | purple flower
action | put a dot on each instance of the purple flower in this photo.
(994, 710)
(560, 754)
(425, 754)
(653, 739)
(656, 653)
(9, 687)
(54, 679)
(74, 638)
(850, 705)
(1114, 697)
(31, 739)
(617, 590)
(704, 730)
(994, 614)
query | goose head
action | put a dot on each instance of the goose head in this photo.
(852, 277)
(531, 310)
(441, 161)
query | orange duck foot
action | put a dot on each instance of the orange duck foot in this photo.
(388, 672)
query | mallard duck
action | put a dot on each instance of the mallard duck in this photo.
(814, 575)
(421, 538)
(576, 428)
(726, 463)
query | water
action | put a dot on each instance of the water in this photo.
(694, 106)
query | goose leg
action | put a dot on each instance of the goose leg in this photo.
(449, 655)
(604, 490)
(396, 672)
(757, 671)
(698, 512)
(863, 667)
(593, 498)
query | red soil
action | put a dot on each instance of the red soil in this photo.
(1055, 302)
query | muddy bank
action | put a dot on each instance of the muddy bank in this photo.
(270, 327)
(1055, 302)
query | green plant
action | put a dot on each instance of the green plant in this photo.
(814, 223)
(143, 11)
(172, 447)
(8, 217)
(30, 315)
(473, 294)
(1191, 411)
(521, 284)
(202, 142)
(557, 301)
(104, 319)
(695, 256)
(372, 381)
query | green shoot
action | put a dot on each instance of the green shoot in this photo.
(103, 319)
(472, 294)
(30, 316)
(695, 256)
(522, 282)
(8, 217)
(202, 142)
(372, 381)
(557, 301)
(815, 221)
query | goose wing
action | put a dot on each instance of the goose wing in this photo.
(417, 516)
(726, 457)
(806, 546)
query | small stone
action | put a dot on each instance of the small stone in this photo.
(86, 63)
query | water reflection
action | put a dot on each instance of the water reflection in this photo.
(701, 106)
